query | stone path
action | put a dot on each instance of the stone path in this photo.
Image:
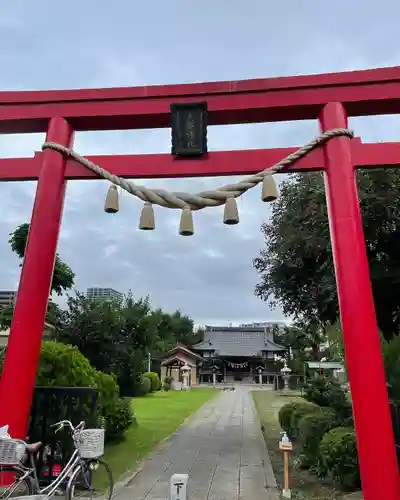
(220, 447)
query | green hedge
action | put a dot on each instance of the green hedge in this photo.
(120, 419)
(154, 381)
(301, 410)
(338, 457)
(144, 386)
(109, 392)
(116, 412)
(285, 415)
(290, 416)
(326, 392)
(167, 383)
(312, 428)
(63, 365)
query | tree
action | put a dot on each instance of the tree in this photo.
(296, 265)
(112, 335)
(303, 339)
(63, 279)
(172, 329)
(336, 344)
(63, 276)
(117, 336)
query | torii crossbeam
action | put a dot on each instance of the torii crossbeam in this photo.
(331, 98)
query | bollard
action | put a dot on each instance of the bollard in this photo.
(286, 446)
(178, 487)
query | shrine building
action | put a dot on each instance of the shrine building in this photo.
(237, 354)
(173, 361)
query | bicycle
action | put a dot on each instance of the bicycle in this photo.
(18, 458)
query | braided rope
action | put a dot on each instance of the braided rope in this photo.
(205, 198)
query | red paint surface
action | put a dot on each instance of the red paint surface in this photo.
(219, 163)
(19, 372)
(376, 447)
(263, 100)
(370, 92)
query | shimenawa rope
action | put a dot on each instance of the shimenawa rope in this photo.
(206, 198)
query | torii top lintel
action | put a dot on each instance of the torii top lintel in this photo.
(367, 92)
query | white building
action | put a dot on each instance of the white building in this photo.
(98, 293)
(7, 297)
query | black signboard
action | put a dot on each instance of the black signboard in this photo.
(189, 129)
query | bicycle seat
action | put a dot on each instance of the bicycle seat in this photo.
(34, 447)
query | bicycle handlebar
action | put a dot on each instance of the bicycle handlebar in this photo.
(66, 423)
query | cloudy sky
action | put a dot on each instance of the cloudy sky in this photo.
(81, 44)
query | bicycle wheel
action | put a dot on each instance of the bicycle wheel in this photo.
(93, 479)
(19, 486)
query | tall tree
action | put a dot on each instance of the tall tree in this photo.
(63, 276)
(62, 281)
(296, 266)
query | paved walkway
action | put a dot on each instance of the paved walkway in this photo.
(222, 450)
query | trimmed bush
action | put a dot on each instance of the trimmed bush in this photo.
(286, 413)
(302, 409)
(154, 381)
(108, 401)
(119, 419)
(63, 365)
(167, 383)
(115, 412)
(338, 457)
(144, 386)
(329, 393)
(312, 428)
(325, 392)
(109, 391)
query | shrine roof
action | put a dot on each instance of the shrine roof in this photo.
(237, 341)
(180, 349)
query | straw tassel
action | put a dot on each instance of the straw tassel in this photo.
(269, 189)
(147, 222)
(186, 225)
(231, 214)
(112, 200)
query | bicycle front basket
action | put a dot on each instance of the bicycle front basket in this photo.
(11, 451)
(91, 443)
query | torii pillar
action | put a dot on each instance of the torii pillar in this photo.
(327, 97)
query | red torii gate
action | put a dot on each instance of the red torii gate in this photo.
(330, 98)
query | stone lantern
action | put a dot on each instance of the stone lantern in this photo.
(260, 370)
(214, 370)
(286, 371)
(185, 370)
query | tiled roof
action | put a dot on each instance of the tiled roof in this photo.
(237, 341)
(182, 348)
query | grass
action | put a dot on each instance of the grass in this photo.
(304, 485)
(158, 416)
